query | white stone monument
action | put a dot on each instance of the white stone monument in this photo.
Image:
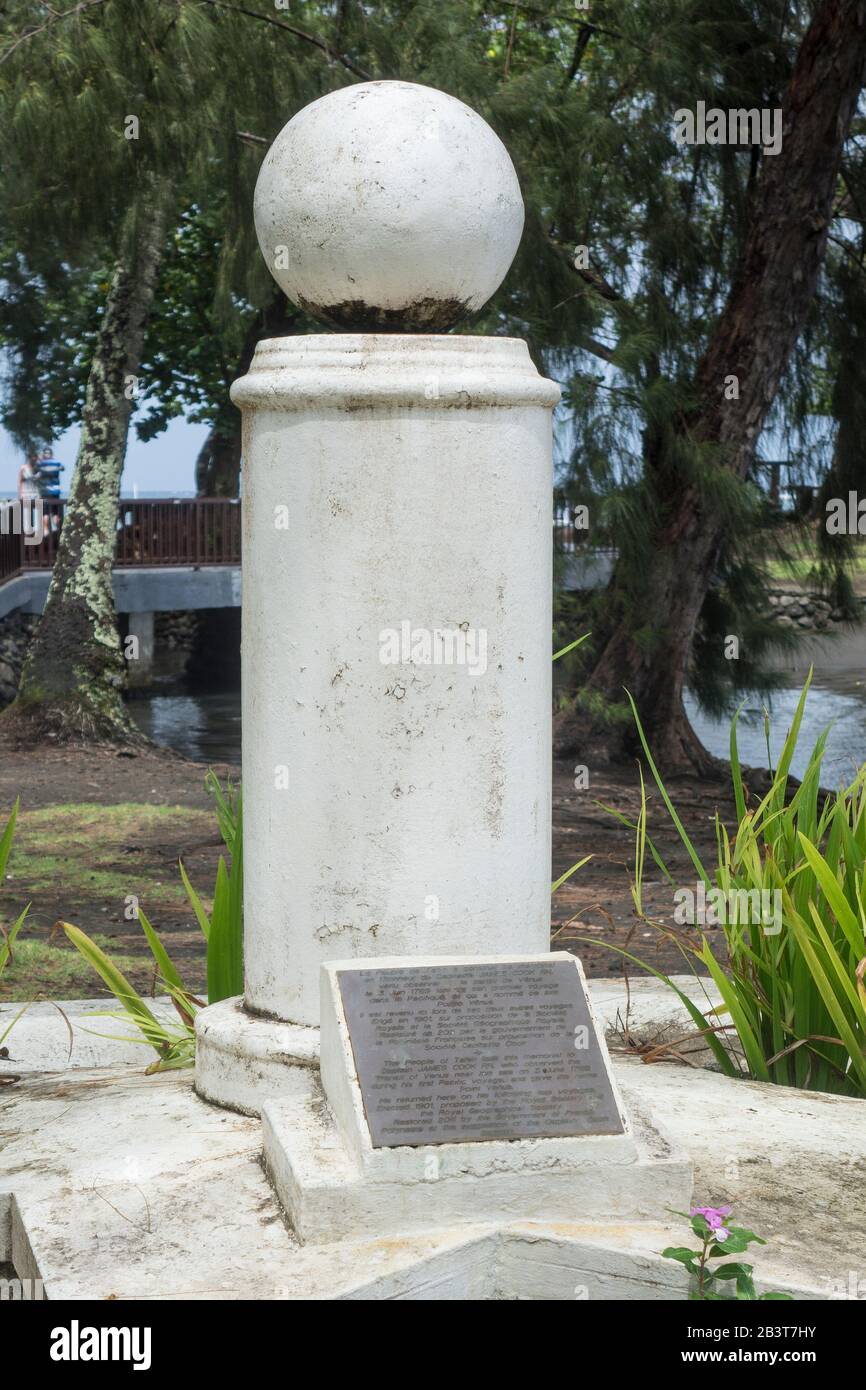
(454, 1128)
(397, 717)
(397, 576)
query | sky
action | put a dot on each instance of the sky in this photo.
(163, 467)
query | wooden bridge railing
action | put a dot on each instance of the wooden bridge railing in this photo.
(150, 532)
(169, 531)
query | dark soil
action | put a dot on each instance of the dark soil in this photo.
(73, 862)
(596, 902)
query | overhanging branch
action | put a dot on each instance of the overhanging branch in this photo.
(313, 39)
(54, 18)
(591, 277)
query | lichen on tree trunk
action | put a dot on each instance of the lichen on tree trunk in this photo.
(73, 678)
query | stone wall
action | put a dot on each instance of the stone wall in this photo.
(176, 631)
(15, 633)
(809, 612)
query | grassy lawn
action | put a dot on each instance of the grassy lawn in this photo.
(107, 852)
(799, 568)
(84, 862)
(55, 970)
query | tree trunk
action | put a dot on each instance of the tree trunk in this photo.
(765, 313)
(218, 466)
(72, 681)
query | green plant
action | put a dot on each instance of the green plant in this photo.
(719, 1240)
(563, 651)
(7, 936)
(794, 990)
(222, 930)
(175, 1047)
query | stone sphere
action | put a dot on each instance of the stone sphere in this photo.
(388, 207)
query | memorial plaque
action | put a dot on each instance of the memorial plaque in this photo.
(499, 1050)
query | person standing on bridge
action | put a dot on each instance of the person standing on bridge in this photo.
(28, 494)
(27, 479)
(50, 469)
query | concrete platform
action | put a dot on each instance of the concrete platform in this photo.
(331, 1175)
(326, 1190)
(117, 1184)
(68, 1034)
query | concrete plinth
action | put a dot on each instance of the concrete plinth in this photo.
(329, 1192)
(242, 1061)
(396, 655)
(332, 1179)
(396, 677)
(119, 1209)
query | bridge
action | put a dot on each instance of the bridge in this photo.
(174, 553)
(170, 553)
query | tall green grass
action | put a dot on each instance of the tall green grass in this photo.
(222, 930)
(796, 1001)
(8, 934)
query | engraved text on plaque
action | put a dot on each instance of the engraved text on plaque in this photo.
(449, 1053)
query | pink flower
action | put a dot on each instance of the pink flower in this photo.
(715, 1219)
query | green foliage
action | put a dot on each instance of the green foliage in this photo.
(792, 990)
(5, 849)
(719, 1240)
(175, 1046)
(663, 227)
(198, 327)
(225, 937)
(49, 316)
(585, 104)
(563, 878)
(101, 103)
(8, 935)
(222, 930)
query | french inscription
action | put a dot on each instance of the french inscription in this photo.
(450, 1053)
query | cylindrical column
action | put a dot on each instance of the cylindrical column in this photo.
(396, 654)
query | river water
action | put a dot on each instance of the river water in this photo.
(207, 727)
(203, 727)
(838, 699)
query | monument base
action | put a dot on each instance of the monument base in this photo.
(331, 1194)
(155, 1194)
(243, 1060)
(337, 1181)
